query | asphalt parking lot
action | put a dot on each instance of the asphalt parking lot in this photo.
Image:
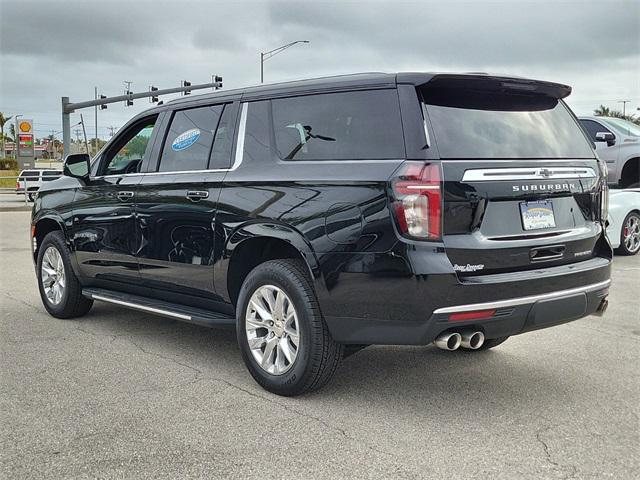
(122, 394)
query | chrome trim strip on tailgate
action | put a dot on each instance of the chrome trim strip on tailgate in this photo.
(522, 300)
(143, 308)
(526, 173)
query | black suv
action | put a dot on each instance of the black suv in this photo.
(321, 216)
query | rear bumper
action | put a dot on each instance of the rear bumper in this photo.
(523, 314)
(523, 301)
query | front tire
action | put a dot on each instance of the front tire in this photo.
(60, 291)
(630, 235)
(283, 338)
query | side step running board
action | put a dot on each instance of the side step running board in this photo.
(183, 313)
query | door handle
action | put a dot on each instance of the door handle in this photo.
(124, 195)
(197, 195)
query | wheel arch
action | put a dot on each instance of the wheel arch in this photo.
(42, 226)
(630, 172)
(256, 243)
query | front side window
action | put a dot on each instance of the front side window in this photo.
(480, 124)
(189, 140)
(128, 151)
(593, 128)
(624, 126)
(361, 125)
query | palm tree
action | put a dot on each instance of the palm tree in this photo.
(602, 111)
(3, 120)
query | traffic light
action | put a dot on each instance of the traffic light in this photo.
(128, 103)
(103, 107)
(186, 84)
(154, 98)
(218, 79)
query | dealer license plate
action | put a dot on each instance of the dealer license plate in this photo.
(537, 215)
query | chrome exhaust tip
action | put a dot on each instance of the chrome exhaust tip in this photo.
(602, 307)
(448, 341)
(472, 340)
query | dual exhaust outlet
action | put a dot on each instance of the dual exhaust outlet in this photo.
(454, 340)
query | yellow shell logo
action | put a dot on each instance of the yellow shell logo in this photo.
(25, 127)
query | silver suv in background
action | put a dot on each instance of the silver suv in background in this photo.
(617, 143)
(32, 180)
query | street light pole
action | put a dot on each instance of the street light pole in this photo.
(624, 106)
(17, 136)
(272, 53)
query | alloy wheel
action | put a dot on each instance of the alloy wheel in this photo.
(53, 275)
(271, 325)
(631, 233)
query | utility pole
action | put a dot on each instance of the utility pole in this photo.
(111, 131)
(96, 118)
(77, 132)
(624, 106)
(86, 145)
(53, 144)
(68, 108)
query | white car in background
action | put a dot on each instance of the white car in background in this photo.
(617, 143)
(32, 180)
(624, 220)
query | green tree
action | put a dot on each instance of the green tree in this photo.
(602, 111)
(3, 120)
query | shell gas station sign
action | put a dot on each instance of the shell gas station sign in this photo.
(25, 138)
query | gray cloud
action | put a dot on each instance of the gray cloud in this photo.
(53, 48)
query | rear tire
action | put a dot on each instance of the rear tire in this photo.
(60, 290)
(630, 235)
(277, 362)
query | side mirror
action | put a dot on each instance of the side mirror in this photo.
(77, 165)
(608, 137)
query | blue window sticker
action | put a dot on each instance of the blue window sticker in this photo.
(185, 140)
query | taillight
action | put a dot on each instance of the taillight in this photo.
(604, 192)
(417, 200)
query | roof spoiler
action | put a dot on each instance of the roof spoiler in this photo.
(492, 83)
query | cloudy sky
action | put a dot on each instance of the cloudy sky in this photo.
(59, 48)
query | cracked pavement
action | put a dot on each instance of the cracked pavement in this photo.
(123, 394)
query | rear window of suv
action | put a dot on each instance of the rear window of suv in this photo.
(49, 175)
(486, 125)
(360, 125)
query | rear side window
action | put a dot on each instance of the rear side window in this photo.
(50, 175)
(359, 125)
(257, 144)
(189, 139)
(30, 173)
(484, 125)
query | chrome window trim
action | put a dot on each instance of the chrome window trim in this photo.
(512, 302)
(241, 134)
(237, 161)
(213, 170)
(527, 173)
